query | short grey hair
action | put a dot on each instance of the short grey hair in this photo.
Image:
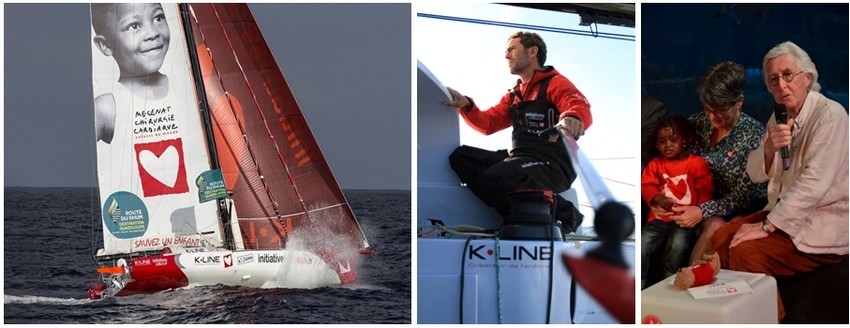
(804, 62)
(722, 84)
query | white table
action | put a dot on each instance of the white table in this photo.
(664, 303)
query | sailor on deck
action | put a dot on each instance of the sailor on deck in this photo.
(541, 99)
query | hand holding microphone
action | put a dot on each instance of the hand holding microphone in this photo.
(779, 135)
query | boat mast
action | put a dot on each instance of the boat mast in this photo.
(204, 107)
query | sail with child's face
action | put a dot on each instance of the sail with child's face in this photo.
(284, 192)
(149, 136)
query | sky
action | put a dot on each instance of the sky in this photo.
(351, 76)
(470, 58)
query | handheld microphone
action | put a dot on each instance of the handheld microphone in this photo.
(781, 114)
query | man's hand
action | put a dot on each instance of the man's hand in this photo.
(458, 100)
(572, 126)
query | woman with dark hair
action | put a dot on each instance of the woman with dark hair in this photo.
(726, 136)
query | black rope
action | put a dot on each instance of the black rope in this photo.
(597, 34)
(572, 300)
(551, 257)
(462, 272)
(592, 32)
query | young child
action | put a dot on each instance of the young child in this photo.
(137, 36)
(675, 177)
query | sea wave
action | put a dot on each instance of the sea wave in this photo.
(28, 299)
(34, 250)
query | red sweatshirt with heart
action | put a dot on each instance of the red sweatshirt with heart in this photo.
(686, 182)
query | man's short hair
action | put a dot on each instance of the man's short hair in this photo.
(531, 39)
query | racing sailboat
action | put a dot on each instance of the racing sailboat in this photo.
(207, 171)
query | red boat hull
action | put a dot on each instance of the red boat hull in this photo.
(153, 274)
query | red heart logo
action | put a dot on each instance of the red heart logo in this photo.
(157, 157)
(678, 188)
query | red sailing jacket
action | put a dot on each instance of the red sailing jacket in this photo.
(561, 92)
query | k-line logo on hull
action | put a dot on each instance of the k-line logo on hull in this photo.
(157, 261)
(207, 260)
(513, 253)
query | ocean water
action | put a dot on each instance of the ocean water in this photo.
(47, 266)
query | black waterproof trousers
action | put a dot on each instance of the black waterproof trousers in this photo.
(492, 175)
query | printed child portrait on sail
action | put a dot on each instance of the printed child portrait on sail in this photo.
(137, 37)
(149, 136)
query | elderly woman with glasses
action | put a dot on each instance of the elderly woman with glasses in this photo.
(805, 223)
(726, 136)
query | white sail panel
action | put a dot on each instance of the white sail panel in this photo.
(149, 136)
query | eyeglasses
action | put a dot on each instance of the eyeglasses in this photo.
(773, 80)
(720, 112)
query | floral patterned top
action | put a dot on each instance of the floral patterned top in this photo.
(735, 193)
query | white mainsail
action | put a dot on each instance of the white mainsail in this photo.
(150, 141)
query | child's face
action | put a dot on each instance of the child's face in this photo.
(142, 38)
(670, 144)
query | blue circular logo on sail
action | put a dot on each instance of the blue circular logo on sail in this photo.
(125, 215)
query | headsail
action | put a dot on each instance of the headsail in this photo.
(150, 142)
(280, 182)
